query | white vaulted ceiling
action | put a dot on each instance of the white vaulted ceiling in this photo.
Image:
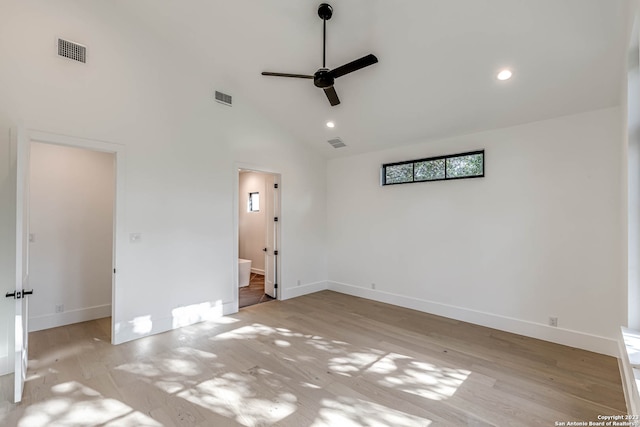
(438, 62)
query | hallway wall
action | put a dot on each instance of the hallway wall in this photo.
(71, 223)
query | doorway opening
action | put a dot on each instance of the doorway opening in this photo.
(258, 237)
(31, 285)
(71, 235)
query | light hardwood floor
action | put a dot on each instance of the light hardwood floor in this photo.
(324, 359)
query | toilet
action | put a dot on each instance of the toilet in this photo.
(244, 272)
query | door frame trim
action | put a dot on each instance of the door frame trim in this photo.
(236, 225)
(118, 150)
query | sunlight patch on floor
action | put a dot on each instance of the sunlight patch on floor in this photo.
(201, 354)
(77, 404)
(234, 396)
(388, 369)
(354, 362)
(247, 332)
(144, 369)
(350, 412)
(419, 378)
(180, 367)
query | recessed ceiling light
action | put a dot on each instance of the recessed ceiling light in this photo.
(331, 125)
(504, 75)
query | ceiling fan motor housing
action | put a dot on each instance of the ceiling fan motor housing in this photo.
(323, 78)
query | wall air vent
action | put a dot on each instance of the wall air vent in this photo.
(223, 98)
(336, 143)
(72, 50)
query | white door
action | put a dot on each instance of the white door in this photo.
(271, 259)
(20, 293)
(7, 264)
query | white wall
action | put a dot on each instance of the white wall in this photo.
(539, 236)
(71, 221)
(252, 225)
(180, 153)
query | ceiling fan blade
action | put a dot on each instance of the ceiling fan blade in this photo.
(332, 96)
(299, 76)
(352, 66)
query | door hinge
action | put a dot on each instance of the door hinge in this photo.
(275, 185)
(275, 252)
(114, 271)
(275, 286)
(275, 219)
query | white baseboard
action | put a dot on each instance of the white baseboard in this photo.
(257, 270)
(541, 331)
(309, 288)
(148, 325)
(54, 320)
(229, 308)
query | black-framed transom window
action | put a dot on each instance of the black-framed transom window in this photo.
(440, 168)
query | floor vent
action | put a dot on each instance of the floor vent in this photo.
(336, 143)
(223, 98)
(71, 50)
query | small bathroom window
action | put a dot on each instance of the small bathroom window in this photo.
(254, 202)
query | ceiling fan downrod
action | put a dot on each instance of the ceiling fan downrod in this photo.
(325, 12)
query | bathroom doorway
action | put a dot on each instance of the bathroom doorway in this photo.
(258, 221)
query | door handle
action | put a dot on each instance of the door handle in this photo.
(264, 250)
(18, 294)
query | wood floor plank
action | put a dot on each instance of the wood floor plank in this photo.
(324, 359)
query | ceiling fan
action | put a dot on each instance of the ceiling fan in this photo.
(324, 77)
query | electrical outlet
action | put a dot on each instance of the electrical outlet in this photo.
(373, 286)
(553, 321)
(59, 308)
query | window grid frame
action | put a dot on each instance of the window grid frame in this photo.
(383, 174)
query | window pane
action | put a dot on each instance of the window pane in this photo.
(399, 173)
(254, 202)
(429, 170)
(464, 166)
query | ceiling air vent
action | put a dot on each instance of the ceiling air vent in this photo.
(223, 98)
(336, 143)
(72, 50)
